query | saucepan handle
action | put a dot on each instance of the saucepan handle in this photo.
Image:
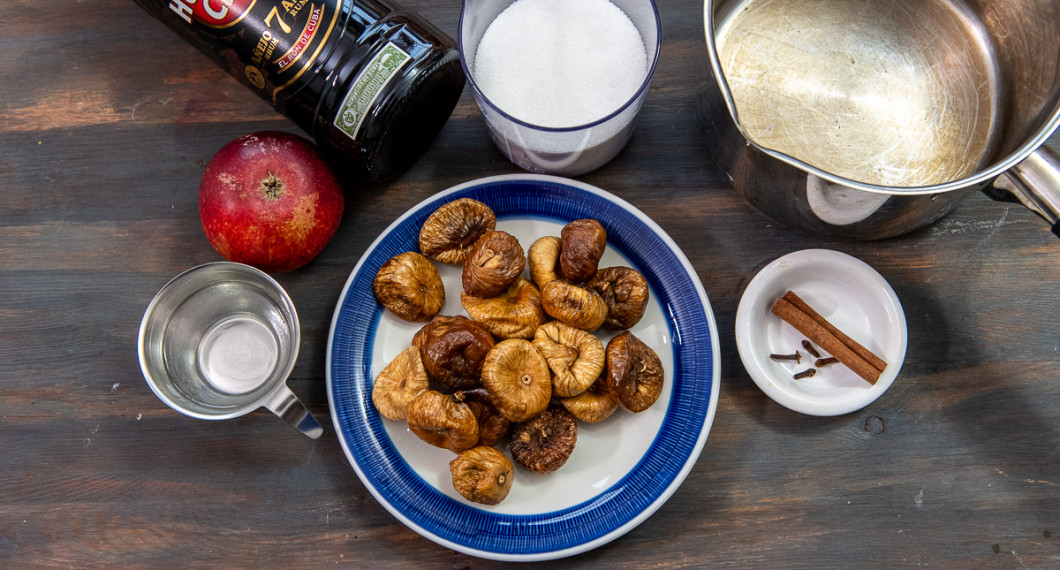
(1035, 182)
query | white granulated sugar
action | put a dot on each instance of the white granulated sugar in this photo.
(560, 63)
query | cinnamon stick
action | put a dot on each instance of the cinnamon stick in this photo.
(798, 314)
(863, 352)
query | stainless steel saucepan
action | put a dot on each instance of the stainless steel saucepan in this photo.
(867, 119)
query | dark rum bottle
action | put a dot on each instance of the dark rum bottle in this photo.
(371, 82)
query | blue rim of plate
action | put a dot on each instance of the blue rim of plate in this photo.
(579, 528)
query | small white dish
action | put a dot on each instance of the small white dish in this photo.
(849, 294)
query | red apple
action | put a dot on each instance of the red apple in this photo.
(269, 199)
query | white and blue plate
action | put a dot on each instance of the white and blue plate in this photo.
(622, 470)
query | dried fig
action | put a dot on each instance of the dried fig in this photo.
(594, 405)
(409, 285)
(518, 379)
(495, 261)
(576, 357)
(574, 305)
(625, 291)
(582, 244)
(545, 442)
(449, 232)
(544, 259)
(634, 372)
(399, 383)
(482, 475)
(453, 349)
(442, 421)
(492, 425)
(515, 313)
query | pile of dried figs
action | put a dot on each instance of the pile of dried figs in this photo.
(524, 366)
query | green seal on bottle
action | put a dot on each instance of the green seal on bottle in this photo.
(366, 88)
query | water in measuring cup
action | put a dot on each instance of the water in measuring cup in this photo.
(237, 354)
(224, 345)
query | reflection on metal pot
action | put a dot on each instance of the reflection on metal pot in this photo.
(840, 99)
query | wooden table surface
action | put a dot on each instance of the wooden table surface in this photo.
(106, 124)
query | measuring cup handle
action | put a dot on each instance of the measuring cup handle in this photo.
(1035, 182)
(290, 409)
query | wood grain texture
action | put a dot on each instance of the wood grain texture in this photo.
(107, 122)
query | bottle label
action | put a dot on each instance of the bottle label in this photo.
(375, 76)
(268, 44)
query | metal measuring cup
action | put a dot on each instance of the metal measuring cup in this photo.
(219, 341)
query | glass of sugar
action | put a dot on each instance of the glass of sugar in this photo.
(560, 82)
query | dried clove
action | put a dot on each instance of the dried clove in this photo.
(808, 373)
(797, 357)
(810, 349)
(822, 362)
